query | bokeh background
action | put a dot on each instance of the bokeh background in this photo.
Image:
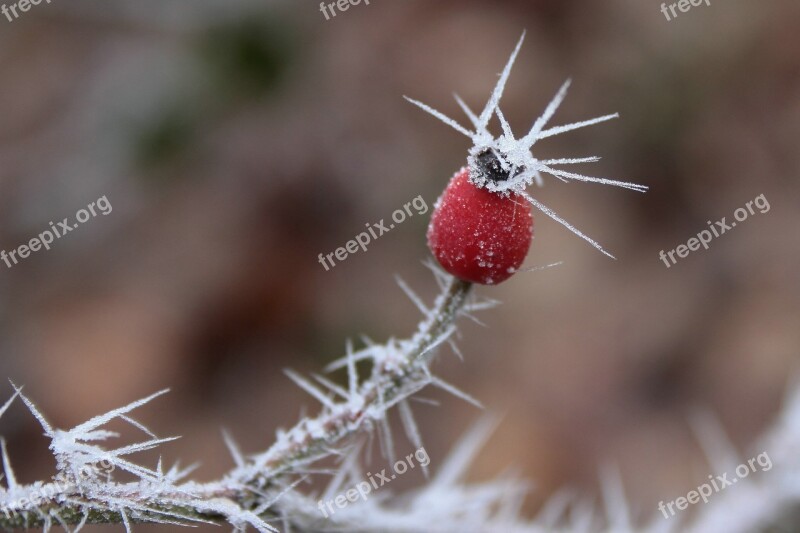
(236, 140)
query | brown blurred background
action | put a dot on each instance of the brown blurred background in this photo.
(236, 140)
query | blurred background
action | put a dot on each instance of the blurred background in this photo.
(237, 140)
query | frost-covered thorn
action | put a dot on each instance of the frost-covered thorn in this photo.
(616, 505)
(413, 296)
(411, 428)
(447, 120)
(442, 277)
(360, 355)
(233, 449)
(497, 93)
(125, 519)
(352, 372)
(554, 509)
(552, 214)
(438, 382)
(458, 461)
(137, 425)
(544, 267)
(437, 341)
(576, 125)
(471, 115)
(333, 387)
(10, 400)
(718, 448)
(386, 440)
(115, 413)
(11, 479)
(533, 135)
(48, 430)
(310, 389)
(269, 502)
(454, 346)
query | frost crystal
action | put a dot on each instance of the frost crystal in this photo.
(506, 165)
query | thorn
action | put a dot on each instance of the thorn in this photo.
(455, 392)
(411, 428)
(11, 479)
(497, 93)
(549, 111)
(111, 415)
(447, 120)
(413, 296)
(10, 400)
(576, 125)
(333, 387)
(352, 371)
(48, 430)
(233, 449)
(309, 388)
(470, 114)
(459, 459)
(552, 214)
(545, 267)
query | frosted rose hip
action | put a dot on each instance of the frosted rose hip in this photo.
(478, 235)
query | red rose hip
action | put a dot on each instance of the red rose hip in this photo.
(478, 235)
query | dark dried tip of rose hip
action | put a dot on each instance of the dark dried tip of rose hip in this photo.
(489, 165)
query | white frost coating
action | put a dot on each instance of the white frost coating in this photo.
(446, 504)
(515, 155)
(85, 484)
(399, 370)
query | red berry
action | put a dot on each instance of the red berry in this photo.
(478, 235)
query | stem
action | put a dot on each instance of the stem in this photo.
(400, 371)
(384, 387)
(448, 307)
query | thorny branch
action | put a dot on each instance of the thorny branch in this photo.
(247, 494)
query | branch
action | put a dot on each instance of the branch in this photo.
(84, 491)
(400, 369)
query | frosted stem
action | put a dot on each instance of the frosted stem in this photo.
(249, 495)
(387, 385)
